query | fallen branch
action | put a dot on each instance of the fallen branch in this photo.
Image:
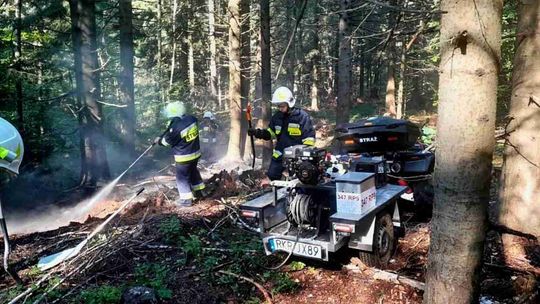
(259, 286)
(397, 279)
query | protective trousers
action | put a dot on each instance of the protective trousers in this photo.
(188, 179)
(275, 170)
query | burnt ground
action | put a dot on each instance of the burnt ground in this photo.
(201, 255)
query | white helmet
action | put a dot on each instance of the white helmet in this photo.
(11, 147)
(208, 114)
(175, 109)
(283, 95)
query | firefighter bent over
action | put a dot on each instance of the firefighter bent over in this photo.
(289, 126)
(182, 136)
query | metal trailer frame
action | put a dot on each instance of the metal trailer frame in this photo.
(268, 214)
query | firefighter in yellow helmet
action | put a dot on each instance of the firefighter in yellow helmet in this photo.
(182, 136)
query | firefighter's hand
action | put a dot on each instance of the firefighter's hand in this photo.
(253, 132)
(156, 140)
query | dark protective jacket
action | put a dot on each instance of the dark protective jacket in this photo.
(182, 136)
(293, 128)
(208, 131)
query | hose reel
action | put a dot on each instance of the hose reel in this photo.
(302, 210)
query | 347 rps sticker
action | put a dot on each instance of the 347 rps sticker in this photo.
(356, 202)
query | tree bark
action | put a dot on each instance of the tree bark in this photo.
(189, 42)
(212, 40)
(234, 151)
(390, 98)
(94, 165)
(344, 67)
(266, 77)
(520, 180)
(245, 72)
(160, 87)
(18, 65)
(174, 42)
(401, 89)
(470, 61)
(315, 64)
(126, 84)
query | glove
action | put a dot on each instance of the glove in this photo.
(252, 132)
(260, 133)
(156, 140)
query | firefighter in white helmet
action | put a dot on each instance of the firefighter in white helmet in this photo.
(11, 154)
(289, 126)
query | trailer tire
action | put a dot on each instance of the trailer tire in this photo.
(384, 243)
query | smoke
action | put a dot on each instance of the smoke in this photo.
(53, 217)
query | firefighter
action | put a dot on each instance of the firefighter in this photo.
(289, 126)
(182, 136)
(11, 154)
(208, 135)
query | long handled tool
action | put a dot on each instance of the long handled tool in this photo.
(250, 125)
(7, 248)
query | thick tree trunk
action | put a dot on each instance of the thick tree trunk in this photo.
(344, 67)
(234, 151)
(470, 56)
(266, 78)
(18, 65)
(520, 181)
(245, 73)
(94, 165)
(126, 85)
(390, 98)
(212, 40)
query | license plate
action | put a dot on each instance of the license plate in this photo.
(303, 249)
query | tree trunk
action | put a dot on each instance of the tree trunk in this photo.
(212, 40)
(160, 87)
(520, 180)
(125, 81)
(390, 99)
(174, 43)
(344, 67)
(245, 73)
(470, 56)
(18, 65)
(189, 42)
(315, 64)
(266, 78)
(290, 56)
(94, 165)
(362, 74)
(401, 89)
(234, 151)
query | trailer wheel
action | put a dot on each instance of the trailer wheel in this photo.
(384, 243)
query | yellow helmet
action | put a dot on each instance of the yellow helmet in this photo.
(175, 109)
(11, 147)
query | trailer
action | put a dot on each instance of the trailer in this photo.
(314, 221)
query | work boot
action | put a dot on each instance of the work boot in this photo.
(200, 194)
(183, 203)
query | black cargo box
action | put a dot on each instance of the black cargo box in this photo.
(377, 134)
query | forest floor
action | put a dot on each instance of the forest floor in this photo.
(201, 255)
